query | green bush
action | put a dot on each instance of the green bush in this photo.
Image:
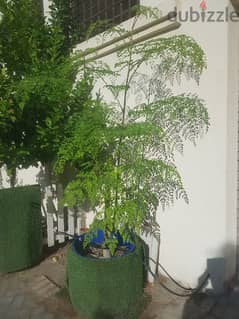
(20, 228)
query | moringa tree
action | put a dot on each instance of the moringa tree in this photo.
(126, 163)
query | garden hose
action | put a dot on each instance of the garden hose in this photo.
(190, 291)
(170, 277)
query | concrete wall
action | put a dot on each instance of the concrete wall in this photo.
(206, 228)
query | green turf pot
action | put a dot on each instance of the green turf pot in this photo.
(105, 288)
(20, 228)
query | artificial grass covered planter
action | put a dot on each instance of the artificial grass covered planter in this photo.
(20, 228)
(105, 288)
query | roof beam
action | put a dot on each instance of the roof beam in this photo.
(117, 44)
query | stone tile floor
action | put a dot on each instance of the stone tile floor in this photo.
(36, 294)
(163, 305)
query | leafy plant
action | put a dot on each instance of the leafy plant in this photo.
(38, 94)
(124, 151)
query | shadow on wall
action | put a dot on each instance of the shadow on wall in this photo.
(221, 300)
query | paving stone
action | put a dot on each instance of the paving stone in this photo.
(3, 285)
(24, 314)
(18, 301)
(43, 287)
(10, 315)
(38, 310)
(29, 305)
(39, 315)
(3, 311)
(5, 300)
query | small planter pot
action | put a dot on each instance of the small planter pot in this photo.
(105, 288)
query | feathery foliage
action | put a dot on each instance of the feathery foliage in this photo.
(124, 150)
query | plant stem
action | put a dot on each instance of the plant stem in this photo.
(127, 82)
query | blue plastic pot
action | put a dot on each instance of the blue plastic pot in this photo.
(77, 245)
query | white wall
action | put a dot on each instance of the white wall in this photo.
(24, 177)
(207, 227)
(46, 7)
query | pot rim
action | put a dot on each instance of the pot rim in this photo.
(79, 239)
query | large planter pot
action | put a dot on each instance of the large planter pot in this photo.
(20, 228)
(105, 288)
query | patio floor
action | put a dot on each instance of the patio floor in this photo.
(37, 294)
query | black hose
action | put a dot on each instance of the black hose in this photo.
(173, 280)
(194, 291)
